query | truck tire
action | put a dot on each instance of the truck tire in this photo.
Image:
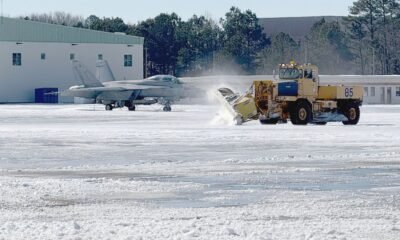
(301, 113)
(352, 111)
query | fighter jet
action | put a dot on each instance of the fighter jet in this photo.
(162, 89)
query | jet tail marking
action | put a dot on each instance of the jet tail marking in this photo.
(84, 75)
(103, 71)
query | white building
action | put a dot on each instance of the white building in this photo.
(377, 89)
(38, 55)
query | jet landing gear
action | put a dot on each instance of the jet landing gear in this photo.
(131, 107)
(167, 108)
(109, 107)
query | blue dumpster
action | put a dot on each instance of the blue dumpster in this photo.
(46, 95)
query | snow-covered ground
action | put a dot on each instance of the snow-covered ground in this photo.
(79, 172)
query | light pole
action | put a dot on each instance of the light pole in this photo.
(306, 50)
(373, 60)
(145, 62)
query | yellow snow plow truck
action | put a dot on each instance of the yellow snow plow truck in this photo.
(296, 96)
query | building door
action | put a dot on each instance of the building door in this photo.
(382, 95)
(389, 95)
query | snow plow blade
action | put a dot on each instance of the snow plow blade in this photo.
(241, 108)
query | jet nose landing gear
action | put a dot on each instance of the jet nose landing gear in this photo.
(167, 108)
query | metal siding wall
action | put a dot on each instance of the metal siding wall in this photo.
(28, 31)
(378, 98)
(17, 83)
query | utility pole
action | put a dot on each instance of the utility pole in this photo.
(306, 50)
(373, 61)
(145, 62)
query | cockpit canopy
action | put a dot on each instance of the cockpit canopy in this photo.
(165, 78)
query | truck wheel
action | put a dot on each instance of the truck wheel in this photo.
(132, 108)
(352, 112)
(301, 113)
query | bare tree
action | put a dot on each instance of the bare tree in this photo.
(60, 18)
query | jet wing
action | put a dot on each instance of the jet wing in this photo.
(142, 87)
(94, 92)
(88, 92)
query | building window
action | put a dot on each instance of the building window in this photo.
(128, 61)
(372, 91)
(72, 56)
(100, 57)
(397, 91)
(17, 59)
(43, 56)
(366, 91)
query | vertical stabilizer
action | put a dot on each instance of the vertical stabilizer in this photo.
(84, 75)
(103, 71)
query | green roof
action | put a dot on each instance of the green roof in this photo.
(19, 30)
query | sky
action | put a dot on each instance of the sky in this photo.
(133, 11)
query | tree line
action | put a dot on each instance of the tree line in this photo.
(367, 41)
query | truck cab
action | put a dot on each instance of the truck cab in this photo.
(298, 81)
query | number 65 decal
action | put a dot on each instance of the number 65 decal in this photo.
(348, 92)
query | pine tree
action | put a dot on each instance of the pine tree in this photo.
(243, 38)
